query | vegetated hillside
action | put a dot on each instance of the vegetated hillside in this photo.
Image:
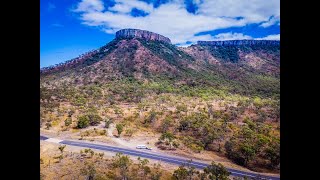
(223, 99)
(243, 70)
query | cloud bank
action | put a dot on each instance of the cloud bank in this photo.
(172, 19)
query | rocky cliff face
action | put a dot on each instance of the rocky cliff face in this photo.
(239, 42)
(137, 33)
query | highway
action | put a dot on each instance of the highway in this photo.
(142, 153)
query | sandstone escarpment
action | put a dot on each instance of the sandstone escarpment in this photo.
(239, 42)
(143, 34)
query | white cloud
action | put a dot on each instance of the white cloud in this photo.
(89, 6)
(273, 20)
(196, 2)
(174, 21)
(125, 6)
(253, 11)
(218, 37)
(231, 36)
(270, 37)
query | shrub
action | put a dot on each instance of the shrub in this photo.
(151, 118)
(180, 174)
(68, 122)
(90, 119)
(240, 152)
(89, 171)
(94, 119)
(129, 132)
(48, 125)
(103, 132)
(119, 128)
(108, 122)
(196, 148)
(61, 148)
(182, 108)
(215, 171)
(175, 144)
(123, 163)
(83, 122)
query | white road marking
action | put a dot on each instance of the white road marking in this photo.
(53, 140)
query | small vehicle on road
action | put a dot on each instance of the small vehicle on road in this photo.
(143, 147)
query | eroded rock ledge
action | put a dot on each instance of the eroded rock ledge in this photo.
(239, 42)
(143, 34)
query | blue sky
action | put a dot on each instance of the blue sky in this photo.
(70, 28)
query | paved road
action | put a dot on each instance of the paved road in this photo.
(141, 153)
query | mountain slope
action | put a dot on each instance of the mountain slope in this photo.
(239, 69)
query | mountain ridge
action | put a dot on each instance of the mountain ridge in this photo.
(150, 36)
(239, 42)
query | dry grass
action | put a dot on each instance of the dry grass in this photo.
(73, 163)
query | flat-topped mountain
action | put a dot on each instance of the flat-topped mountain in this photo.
(239, 42)
(143, 34)
(144, 55)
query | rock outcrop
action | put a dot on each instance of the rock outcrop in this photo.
(143, 34)
(239, 42)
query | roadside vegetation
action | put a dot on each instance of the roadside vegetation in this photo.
(95, 166)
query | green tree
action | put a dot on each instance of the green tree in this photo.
(180, 174)
(94, 119)
(119, 128)
(208, 135)
(272, 153)
(217, 172)
(167, 122)
(184, 124)
(151, 118)
(191, 171)
(167, 137)
(185, 172)
(123, 163)
(89, 119)
(248, 152)
(89, 171)
(143, 167)
(83, 122)
(156, 173)
(241, 151)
